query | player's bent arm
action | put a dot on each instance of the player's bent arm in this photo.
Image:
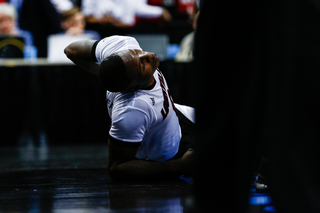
(80, 53)
(123, 165)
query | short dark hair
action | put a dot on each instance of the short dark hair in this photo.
(113, 74)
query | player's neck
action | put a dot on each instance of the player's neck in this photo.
(150, 85)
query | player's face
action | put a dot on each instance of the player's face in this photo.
(141, 64)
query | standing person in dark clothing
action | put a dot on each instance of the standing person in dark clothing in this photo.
(264, 78)
(41, 19)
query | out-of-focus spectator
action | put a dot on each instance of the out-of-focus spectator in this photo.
(42, 18)
(186, 46)
(121, 13)
(16, 42)
(179, 6)
(17, 4)
(73, 23)
(8, 17)
(62, 5)
(8, 24)
(185, 6)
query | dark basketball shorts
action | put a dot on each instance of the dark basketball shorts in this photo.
(188, 130)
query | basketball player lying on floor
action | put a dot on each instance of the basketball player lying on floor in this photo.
(145, 139)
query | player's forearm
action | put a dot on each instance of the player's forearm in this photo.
(87, 66)
(146, 170)
(80, 54)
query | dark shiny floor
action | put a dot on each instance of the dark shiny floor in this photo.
(42, 178)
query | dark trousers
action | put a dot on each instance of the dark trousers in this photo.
(188, 131)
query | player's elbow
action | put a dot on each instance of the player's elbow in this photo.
(70, 51)
(73, 51)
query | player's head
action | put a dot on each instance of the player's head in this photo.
(128, 70)
(113, 74)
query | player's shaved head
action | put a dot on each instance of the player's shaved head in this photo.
(114, 75)
(128, 70)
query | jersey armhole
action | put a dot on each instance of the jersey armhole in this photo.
(93, 51)
(123, 143)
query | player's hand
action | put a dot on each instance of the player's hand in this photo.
(187, 161)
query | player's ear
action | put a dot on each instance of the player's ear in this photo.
(135, 88)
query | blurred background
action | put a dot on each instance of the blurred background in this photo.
(45, 97)
(53, 114)
(254, 82)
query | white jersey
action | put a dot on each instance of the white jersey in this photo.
(146, 116)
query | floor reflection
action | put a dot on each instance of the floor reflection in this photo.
(29, 151)
(42, 178)
(88, 190)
